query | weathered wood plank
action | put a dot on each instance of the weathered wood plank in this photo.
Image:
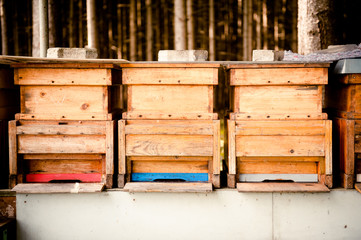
(328, 147)
(277, 116)
(281, 187)
(273, 167)
(175, 116)
(231, 146)
(59, 188)
(56, 76)
(63, 166)
(170, 167)
(169, 145)
(121, 147)
(61, 129)
(177, 76)
(13, 159)
(216, 147)
(64, 156)
(61, 144)
(269, 100)
(168, 187)
(156, 129)
(169, 158)
(280, 76)
(280, 128)
(62, 116)
(109, 145)
(280, 146)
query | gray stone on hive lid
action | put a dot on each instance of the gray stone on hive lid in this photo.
(267, 55)
(76, 53)
(182, 55)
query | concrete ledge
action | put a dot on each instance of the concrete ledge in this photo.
(76, 53)
(221, 214)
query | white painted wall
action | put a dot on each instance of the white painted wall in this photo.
(223, 214)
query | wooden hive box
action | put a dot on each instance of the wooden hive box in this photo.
(9, 106)
(279, 150)
(58, 151)
(169, 150)
(68, 91)
(343, 103)
(170, 90)
(276, 90)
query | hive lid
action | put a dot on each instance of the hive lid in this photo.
(348, 66)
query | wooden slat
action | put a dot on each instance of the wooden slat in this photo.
(350, 78)
(269, 100)
(169, 65)
(169, 122)
(170, 167)
(168, 187)
(67, 63)
(281, 187)
(277, 116)
(175, 116)
(277, 167)
(61, 144)
(58, 187)
(169, 145)
(177, 76)
(279, 76)
(280, 146)
(169, 158)
(62, 116)
(156, 129)
(59, 156)
(121, 147)
(281, 159)
(61, 130)
(63, 166)
(328, 148)
(56, 76)
(301, 178)
(64, 101)
(170, 99)
(13, 161)
(346, 132)
(231, 147)
(280, 128)
(216, 147)
(109, 145)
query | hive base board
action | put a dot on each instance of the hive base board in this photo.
(281, 187)
(168, 187)
(58, 187)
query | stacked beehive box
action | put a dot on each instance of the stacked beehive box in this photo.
(169, 132)
(64, 131)
(277, 131)
(9, 105)
(343, 101)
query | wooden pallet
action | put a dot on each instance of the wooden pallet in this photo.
(286, 150)
(81, 91)
(170, 91)
(169, 150)
(48, 151)
(277, 91)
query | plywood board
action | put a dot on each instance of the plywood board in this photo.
(281, 187)
(58, 188)
(169, 187)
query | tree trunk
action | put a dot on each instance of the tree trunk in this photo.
(164, 4)
(139, 31)
(119, 29)
(133, 30)
(190, 27)
(4, 36)
(80, 26)
(71, 25)
(247, 30)
(43, 27)
(212, 42)
(264, 24)
(179, 25)
(36, 40)
(91, 24)
(314, 25)
(149, 31)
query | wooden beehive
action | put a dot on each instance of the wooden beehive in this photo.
(9, 106)
(48, 151)
(296, 150)
(170, 90)
(68, 91)
(276, 90)
(169, 150)
(343, 102)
